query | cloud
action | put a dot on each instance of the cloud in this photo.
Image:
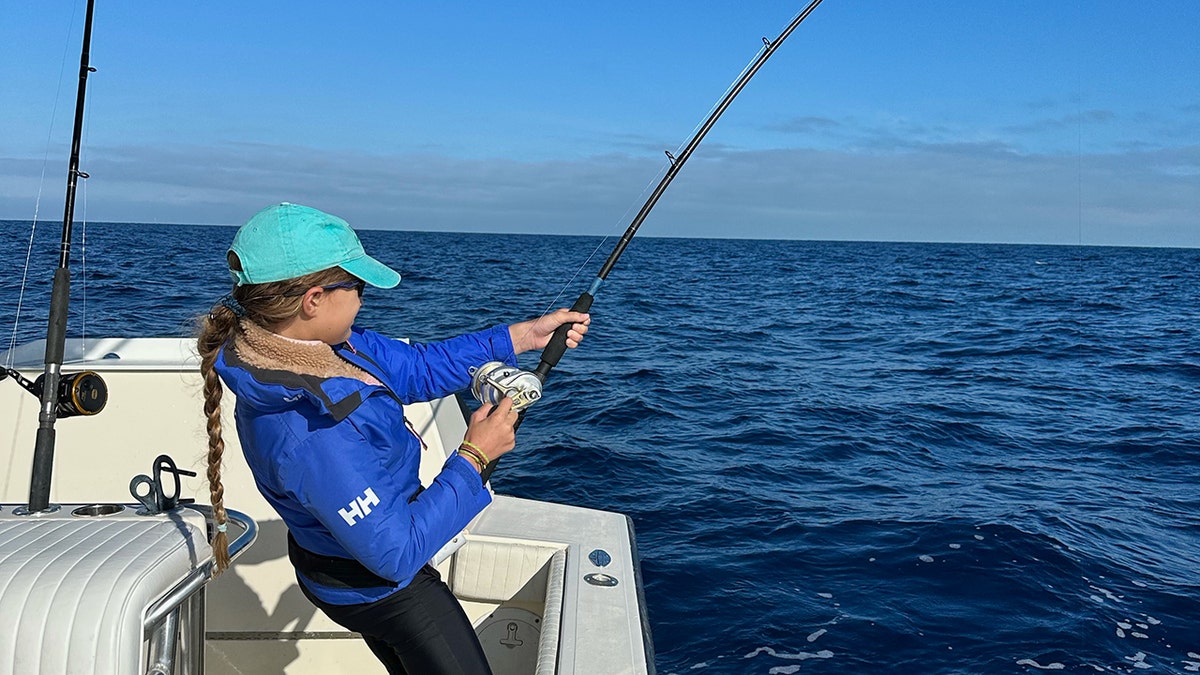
(887, 133)
(955, 192)
(1069, 121)
(895, 189)
(805, 125)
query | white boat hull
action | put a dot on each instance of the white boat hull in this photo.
(521, 574)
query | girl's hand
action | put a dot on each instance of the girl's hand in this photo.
(536, 334)
(493, 434)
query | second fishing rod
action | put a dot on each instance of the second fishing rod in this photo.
(495, 380)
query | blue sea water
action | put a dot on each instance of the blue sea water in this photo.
(839, 457)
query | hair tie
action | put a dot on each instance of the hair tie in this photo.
(223, 527)
(229, 302)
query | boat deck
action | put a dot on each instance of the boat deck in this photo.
(524, 573)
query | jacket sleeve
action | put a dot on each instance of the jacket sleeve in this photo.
(340, 479)
(424, 372)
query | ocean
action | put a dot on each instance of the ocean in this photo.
(839, 457)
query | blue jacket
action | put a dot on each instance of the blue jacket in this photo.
(335, 459)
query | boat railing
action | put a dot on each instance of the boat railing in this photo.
(180, 613)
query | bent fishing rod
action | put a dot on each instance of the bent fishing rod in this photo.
(493, 381)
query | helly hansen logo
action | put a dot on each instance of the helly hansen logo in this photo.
(359, 507)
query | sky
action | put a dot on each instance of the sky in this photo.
(1029, 121)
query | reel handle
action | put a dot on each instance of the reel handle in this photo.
(486, 474)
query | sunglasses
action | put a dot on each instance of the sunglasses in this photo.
(357, 285)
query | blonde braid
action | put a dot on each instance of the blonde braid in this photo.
(266, 305)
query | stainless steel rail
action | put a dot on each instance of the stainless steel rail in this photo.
(202, 574)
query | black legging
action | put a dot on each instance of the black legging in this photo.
(420, 629)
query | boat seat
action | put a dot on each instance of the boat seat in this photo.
(74, 592)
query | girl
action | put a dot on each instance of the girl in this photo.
(322, 428)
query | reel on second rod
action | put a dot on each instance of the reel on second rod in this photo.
(82, 393)
(494, 380)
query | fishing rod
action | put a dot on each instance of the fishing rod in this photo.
(558, 343)
(78, 393)
(495, 380)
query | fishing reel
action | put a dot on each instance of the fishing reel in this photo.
(78, 393)
(494, 380)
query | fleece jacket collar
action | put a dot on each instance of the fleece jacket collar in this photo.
(274, 372)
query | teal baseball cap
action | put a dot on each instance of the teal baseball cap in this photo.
(286, 241)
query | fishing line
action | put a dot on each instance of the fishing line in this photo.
(489, 384)
(83, 221)
(494, 380)
(12, 343)
(646, 188)
(51, 397)
(749, 64)
(37, 201)
(83, 271)
(591, 256)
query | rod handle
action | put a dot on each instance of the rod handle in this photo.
(558, 342)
